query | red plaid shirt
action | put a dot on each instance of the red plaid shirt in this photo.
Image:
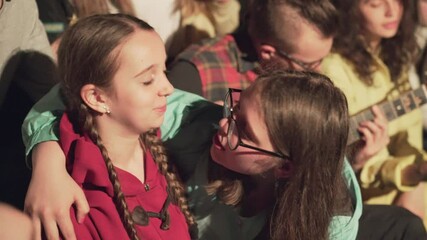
(222, 63)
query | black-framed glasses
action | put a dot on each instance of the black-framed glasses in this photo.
(233, 134)
(311, 66)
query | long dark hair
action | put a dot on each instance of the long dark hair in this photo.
(307, 118)
(397, 52)
(87, 55)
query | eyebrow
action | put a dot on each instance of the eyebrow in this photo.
(143, 71)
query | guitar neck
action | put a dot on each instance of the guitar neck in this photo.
(391, 109)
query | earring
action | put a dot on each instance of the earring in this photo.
(107, 110)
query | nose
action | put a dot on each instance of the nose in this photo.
(393, 7)
(223, 126)
(166, 88)
(222, 131)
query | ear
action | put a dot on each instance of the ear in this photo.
(285, 170)
(95, 98)
(267, 51)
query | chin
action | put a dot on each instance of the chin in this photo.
(158, 123)
(389, 34)
(218, 156)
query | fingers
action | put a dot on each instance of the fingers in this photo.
(51, 222)
(379, 115)
(375, 131)
(372, 132)
(380, 120)
(82, 206)
(375, 135)
(66, 227)
(50, 227)
(37, 233)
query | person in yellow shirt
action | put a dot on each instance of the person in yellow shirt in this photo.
(371, 54)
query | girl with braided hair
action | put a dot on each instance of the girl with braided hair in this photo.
(114, 88)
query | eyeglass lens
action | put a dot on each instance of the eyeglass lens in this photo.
(230, 102)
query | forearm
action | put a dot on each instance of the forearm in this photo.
(48, 158)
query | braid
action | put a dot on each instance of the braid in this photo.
(119, 199)
(177, 191)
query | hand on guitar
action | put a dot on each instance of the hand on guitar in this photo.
(374, 138)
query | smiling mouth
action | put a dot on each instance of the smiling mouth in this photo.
(161, 109)
(391, 25)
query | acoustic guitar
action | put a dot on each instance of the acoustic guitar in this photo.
(391, 109)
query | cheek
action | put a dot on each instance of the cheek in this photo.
(142, 108)
(423, 14)
(372, 27)
(372, 18)
(231, 160)
(141, 100)
(400, 12)
(243, 163)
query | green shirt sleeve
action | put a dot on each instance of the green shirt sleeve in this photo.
(178, 103)
(41, 123)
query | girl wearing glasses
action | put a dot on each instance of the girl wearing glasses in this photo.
(112, 79)
(274, 168)
(371, 56)
(277, 160)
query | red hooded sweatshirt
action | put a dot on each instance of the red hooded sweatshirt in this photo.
(86, 166)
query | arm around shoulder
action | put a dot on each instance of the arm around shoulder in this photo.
(41, 122)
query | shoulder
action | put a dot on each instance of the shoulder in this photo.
(338, 69)
(334, 61)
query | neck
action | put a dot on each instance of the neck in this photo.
(124, 149)
(373, 42)
(259, 195)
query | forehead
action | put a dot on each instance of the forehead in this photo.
(143, 46)
(144, 41)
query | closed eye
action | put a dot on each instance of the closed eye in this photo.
(149, 81)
